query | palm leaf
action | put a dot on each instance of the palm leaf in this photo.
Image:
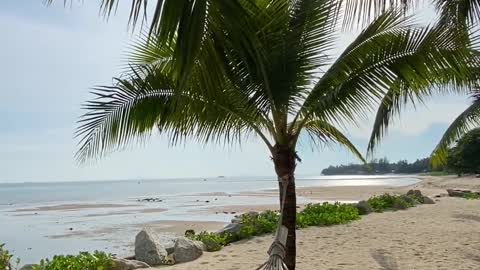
(467, 120)
(383, 57)
(323, 132)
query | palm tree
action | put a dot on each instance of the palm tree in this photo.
(460, 16)
(279, 84)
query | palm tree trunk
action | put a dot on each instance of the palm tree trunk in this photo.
(284, 161)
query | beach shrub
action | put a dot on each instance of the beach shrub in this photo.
(212, 241)
(471, 196)
(326, 214)
(84, 261)
(392, 202)
(246, 232)
(6, 259)
(265, 222)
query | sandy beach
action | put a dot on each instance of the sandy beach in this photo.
(445, 235)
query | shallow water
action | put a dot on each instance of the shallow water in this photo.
(35, 233)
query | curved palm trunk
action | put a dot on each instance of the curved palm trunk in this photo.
(284, 161)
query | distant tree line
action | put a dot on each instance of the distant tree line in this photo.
(381, 166)
(462, 158)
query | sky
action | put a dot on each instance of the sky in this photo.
(52, 56)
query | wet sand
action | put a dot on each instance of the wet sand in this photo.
(73, 207)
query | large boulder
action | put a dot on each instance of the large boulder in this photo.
(416, 194)
(231, 228)
(148, 248)
(427, 200)
(364, 208)
(457, 192)
(187, 250)
(236, 220)
(123, 264)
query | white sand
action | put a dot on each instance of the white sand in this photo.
(441, 236)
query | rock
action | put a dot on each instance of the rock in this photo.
(417, 194)
(457, 192)
(187, 250)
(169, 260)
(122, 264)
(237, 220)
(148, 248)
(364, 208)
(231, 228)
(131, 257)
(28, 267)
(427, 200)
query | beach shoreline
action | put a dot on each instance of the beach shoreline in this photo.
(198, 216)
(444, 235)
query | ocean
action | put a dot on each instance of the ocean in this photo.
(38, 220)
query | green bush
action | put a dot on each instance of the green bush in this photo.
(326, 214)
(84, 261)
(392, 202)
(471, 196)
(6, 259)
(212, 241)
(265, 222)
(246, 232)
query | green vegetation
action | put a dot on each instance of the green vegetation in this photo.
(212, 241)
(266, 222)
(471, 196)
(381, 166)
(6, 259)
(464, 157)
(326, 214)
(392, 202)
(84, 261)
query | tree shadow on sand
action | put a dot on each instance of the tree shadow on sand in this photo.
(384, 260)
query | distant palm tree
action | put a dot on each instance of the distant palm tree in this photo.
(274, 79)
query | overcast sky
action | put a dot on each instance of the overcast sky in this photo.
(50, 57)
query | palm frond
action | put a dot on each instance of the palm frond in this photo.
(382, 57)
(459, 13)
(146, 101)
(360, 12)
(467, 120)
(390, 106)
(324, 133)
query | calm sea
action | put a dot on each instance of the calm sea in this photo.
(33, 233)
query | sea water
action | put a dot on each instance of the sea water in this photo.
(34, 234)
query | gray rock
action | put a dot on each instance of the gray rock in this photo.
(28, 267)
(237, 220)
(148, 248)
(230, 228)
(187, 250)
(457, 192)
(364, 208)
(427, 200)
(417, 194)
(123, 264)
